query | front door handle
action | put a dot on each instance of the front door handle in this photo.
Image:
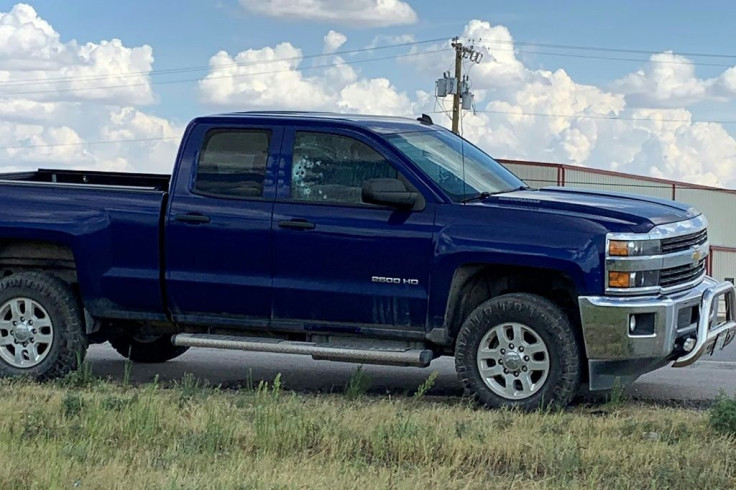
(297, 224)
(194, 218)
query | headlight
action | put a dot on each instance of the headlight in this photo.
(625, 280)
(633, 248)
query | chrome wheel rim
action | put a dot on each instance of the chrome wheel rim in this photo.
(26, 333)
(513, 361)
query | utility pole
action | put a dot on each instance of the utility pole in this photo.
(458, 80)
(458, 86)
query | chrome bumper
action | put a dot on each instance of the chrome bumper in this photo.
(611, 346)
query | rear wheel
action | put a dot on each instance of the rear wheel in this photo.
(147, 349)
(518, 350)
(41, 328)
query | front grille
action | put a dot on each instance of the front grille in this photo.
(681, 275)
(684, 242)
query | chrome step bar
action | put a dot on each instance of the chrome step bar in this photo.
(320, 351)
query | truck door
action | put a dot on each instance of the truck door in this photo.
(341, 264)
(218, 241)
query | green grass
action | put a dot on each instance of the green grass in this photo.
(88, 433)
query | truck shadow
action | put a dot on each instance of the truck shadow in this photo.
(240, 370)
(234, 370)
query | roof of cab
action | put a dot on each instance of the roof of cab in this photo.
(379, 124)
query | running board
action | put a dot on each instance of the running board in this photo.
(320, 351)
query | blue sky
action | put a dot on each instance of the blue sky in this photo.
(188, 33)
(194, 30)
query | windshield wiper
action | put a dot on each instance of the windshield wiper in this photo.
(485, 194)
(478, 197)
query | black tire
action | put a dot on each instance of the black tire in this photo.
(69, 344)
(154, 351)
(549, 322)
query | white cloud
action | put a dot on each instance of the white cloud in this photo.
(374, 96)
(669, 81)
(271, 78)
(359, 13)
(262, 78)
(34, 63)
(49, 116)
(333, 40)
(384, 39)
(128, 123)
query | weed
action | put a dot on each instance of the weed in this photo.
(217, 435)
(358, 384)
(723, 415)
(127, 369)
(426, 385)
(264, 391)
(191, 387)
(114, 403)
(82, 377)
(617, 396)
(71, 404)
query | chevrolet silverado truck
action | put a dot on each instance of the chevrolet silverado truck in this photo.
(357, 239)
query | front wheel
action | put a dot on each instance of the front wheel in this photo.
(518, 350)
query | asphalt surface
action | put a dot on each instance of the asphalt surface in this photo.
(232, 369)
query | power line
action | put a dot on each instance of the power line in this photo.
(169, 71)
(612, 118)
(298, 58)
(606, 49)
(610, 58)
(100, 142)
(167, 82)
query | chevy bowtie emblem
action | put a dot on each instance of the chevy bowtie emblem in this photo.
(697, 255)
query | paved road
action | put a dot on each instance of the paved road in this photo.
(701, 381)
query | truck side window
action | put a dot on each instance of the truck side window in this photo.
(233, 163)
(332, 168)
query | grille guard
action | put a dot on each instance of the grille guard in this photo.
(707, 337)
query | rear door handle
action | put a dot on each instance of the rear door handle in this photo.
(297, 224)
(194, 218)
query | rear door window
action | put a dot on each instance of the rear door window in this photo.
(233, 163)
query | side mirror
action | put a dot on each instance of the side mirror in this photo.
(388, 192)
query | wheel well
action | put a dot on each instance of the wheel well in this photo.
(474, 284)
(32, 255)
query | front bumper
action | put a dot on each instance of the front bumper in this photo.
(676, 322)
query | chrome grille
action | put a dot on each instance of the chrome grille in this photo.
(677, 263)
(684, 242)
(681, 275)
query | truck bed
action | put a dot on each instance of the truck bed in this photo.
(159, 182)
(109, 221)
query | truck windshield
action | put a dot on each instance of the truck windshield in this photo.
(462, 170)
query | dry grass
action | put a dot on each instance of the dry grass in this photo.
(88, 433)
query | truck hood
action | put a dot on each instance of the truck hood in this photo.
(640, 212)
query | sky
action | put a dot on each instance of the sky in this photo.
(642, 87)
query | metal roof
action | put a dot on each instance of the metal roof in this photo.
(562, 167)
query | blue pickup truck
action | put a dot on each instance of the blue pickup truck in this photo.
(357, 239)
